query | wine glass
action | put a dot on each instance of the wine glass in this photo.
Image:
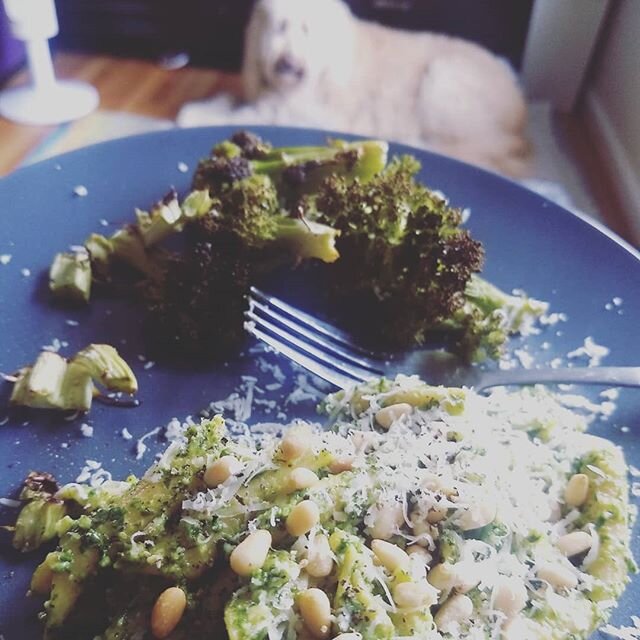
(45, 100)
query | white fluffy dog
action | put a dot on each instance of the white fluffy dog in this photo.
(312, 63)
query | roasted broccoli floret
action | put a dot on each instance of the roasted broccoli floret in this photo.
(197, 311)
(404, 258)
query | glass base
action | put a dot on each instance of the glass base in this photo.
(61, 102)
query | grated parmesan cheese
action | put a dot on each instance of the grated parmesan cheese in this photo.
(591, 350)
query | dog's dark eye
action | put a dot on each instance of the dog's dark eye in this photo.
(282, 26)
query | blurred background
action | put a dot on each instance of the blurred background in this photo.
(578, 62)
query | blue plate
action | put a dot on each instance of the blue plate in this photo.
(530, 243)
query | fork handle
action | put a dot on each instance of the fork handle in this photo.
(614, 376)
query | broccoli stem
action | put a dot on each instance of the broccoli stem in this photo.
(303, 168)
(54, 383)
(70, 276)
(305, 239)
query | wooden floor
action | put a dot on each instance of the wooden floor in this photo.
(134, 86)
(146, 88)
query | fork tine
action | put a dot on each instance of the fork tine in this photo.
(335, 362)
(330, 375)
(318, 339)
(331, 332)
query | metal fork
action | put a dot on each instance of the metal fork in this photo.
(336, 357)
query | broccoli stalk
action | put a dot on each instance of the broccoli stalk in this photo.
(40, 515)
(70, 276)
(55, 383)
(406, 260)
(404, 257)
(197, 311)
(294, 170)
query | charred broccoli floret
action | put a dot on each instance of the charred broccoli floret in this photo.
(404, 258)
(249, 210)
(197, 311)
(216, 171)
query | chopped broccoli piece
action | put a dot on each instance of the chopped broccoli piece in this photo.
(161, 221)
(55, 383)
(104, 365)
(40, 515)
(128, 246)
(70, 276)
(100, 251)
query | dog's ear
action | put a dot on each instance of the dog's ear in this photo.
(251, 77)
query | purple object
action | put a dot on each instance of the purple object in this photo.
(11, 50)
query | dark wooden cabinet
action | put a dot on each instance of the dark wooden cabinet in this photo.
(211, 31)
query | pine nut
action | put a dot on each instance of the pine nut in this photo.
(431, 482)
(293, 445)
(571, 544)
(516, 629)
(557, 576)
(348, 636)
(388, 517)
(478, 515)
(319, 561)
(343, 463)
(577, 489)
(222, 469)
(315, 610)
(456, 609)
(301, 478)
(388, 415)
(390, 555)
(436, 514)
(167, 611)
(416, 551)
(251, 553)
(509, 595)
(466, 576)
(443, 576)
(302, 518)
(410, 595)
(363, 440)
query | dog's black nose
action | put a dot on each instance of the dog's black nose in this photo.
(286, 65)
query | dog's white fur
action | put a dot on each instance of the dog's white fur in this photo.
(312, 63)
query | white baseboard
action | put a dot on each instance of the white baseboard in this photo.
(624, 178)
